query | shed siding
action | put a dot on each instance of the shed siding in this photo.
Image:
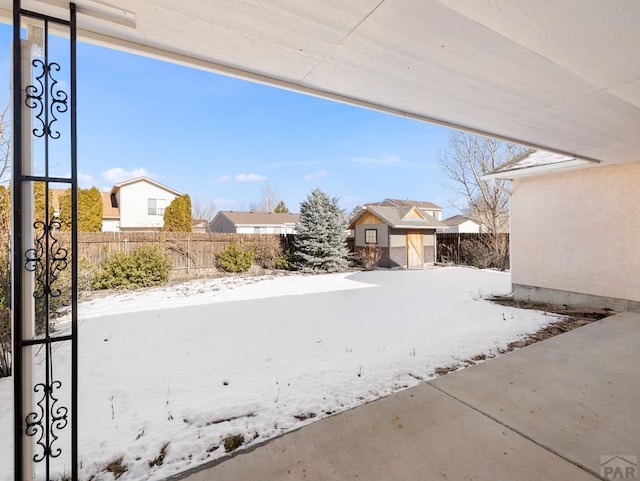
(383, 234)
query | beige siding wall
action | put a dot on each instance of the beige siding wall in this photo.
(579, 231)
(133, 202)
(110, 225)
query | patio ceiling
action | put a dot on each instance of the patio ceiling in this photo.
(559, 75)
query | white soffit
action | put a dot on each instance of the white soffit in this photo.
(557, 75)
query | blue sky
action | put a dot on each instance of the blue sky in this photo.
(220, 139)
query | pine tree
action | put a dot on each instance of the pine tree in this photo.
(177, 215)
(321, 235)
(281, 208)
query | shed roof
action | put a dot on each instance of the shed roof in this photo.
(397, 218)
(409, 203)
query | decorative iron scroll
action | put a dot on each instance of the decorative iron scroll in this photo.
(36, 258)
(56, 99)
(46, 436)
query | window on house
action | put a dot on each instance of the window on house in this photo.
(156, 206)
(371, 236)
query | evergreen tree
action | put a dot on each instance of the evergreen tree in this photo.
(281, 208)
(39, 196)
(177, 215)
(321, 235)
(89, 210)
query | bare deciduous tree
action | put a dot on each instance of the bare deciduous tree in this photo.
(268, 200)
(203, 211)
(467, 158)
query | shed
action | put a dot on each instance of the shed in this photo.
(406, 235)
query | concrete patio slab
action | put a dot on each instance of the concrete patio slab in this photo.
(548, 411)
(577, 394)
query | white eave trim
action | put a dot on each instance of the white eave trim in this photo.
(519, 172)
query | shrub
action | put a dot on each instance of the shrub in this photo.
(487, 251)
(148, 265)
(369, 257)
(235, 258)
(266, 251)
(285, 261)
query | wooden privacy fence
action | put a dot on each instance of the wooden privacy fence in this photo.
(191, 253)
(449, 245)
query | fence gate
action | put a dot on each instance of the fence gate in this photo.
(44, 270)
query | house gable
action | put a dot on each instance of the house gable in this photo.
(142, 203)
(413, 213)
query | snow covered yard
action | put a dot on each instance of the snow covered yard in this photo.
(167, 375)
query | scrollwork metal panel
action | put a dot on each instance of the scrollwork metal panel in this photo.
(39, 256)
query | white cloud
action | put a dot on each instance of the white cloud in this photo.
(250, 178)
(118, 174)
(316, 175)
(387, 160)
(223, 179)
(85, 180)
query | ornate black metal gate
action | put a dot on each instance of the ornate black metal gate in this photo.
(44, 275)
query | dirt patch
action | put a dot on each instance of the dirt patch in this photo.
(572, 318)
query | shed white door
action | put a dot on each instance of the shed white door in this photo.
(415, 251)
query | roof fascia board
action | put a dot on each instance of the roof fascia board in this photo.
(540, 169)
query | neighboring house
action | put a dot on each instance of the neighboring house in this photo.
(199, 226)
(136, 205)
(406, 235)
(461, 224)
(428, 208)
(254, 222)
(575, 231)
(110, 213)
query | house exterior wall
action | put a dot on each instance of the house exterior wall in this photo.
(265, 229)
(467, 227)
(436, 214)
(578, 233)
(222, 224)
(133, 202)
(110, 225)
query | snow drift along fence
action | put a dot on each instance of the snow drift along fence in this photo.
(191, 253)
